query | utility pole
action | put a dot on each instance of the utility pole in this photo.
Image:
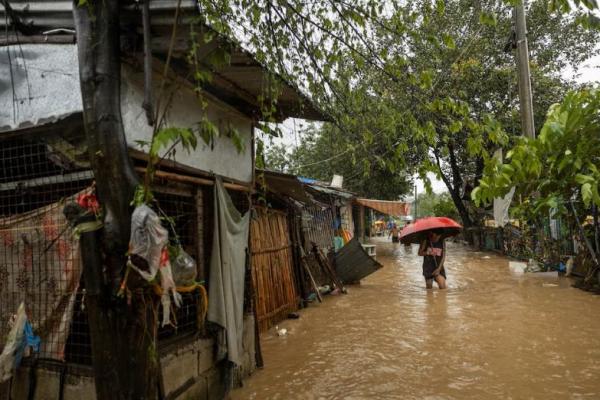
(525, 96)
(415, 203)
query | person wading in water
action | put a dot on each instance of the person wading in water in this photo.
(394, 232)
(433, 249)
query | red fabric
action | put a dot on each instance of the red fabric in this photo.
(89, 202)
(164, 257)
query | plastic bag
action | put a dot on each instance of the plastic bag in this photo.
(184, 269)
(149, 240)
(19, 338)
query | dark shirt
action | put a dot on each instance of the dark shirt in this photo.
(431, 262)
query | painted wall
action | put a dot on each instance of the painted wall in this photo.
(222, 158)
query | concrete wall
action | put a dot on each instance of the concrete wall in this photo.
(222, 157)
(190, 372)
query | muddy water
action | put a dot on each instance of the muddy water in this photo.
(491, 335)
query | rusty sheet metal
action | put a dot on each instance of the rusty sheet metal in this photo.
(352, 263)
(394, 208)
(285, 184)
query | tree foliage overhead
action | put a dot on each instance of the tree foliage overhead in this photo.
(325, 151)
(431, 85)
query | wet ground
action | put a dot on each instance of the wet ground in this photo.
(491, 335)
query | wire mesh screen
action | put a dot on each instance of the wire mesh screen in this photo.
(317, 226)
(182, 211)
(39, 256)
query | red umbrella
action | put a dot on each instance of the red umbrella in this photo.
(417, 231)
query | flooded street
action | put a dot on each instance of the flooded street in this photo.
(491, 335)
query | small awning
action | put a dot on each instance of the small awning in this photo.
(285, 184)
(395, 208)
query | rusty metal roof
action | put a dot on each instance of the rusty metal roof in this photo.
(240, 83)
(285, 184)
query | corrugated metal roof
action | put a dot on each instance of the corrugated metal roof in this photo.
(40, 85)
(245, 78)
(332, 192)
(287, 185)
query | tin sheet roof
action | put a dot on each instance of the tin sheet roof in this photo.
(287, 185)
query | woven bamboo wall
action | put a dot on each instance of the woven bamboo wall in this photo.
(272, 267)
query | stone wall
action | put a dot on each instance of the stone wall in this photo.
(189, 372)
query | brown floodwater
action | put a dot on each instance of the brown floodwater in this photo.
(491, 335)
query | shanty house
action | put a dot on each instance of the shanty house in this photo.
(44, 162)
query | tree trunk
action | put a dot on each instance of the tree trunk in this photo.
(454, 187)
(123, 335)
(460, 207)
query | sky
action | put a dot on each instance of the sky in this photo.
(291, 128)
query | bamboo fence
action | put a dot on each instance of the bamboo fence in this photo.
(272, 267)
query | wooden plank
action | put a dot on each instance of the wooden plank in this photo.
(194, 180)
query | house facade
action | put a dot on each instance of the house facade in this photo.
(44, 160)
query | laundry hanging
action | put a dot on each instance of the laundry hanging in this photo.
(227, 274)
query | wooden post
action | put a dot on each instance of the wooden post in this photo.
(200, 267)
(361, 224)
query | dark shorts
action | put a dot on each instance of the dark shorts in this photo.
(428, 272)
(395, 239)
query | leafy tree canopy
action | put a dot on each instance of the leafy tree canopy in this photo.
(431, 85)
(559, 166)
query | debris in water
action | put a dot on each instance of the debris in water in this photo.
(280, 332)
(517, 267)
(569, 266)
(549, 284)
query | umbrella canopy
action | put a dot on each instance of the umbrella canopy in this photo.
(418, 231)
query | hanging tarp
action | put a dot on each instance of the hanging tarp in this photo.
(393, 208)
(39, 266)
(227, 274)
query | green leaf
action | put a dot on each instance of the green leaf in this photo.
(487, 19)
(426, 78)
(586, 193)
(449, 41)
(583, 179)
